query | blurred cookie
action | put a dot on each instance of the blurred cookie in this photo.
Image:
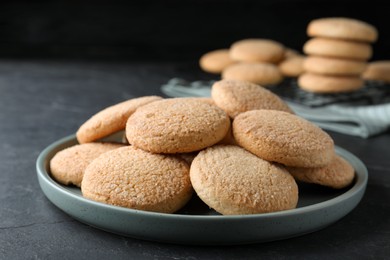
(177, 125)
(333, 66)
(111, 119)
(338, 48)
(259, 73)
(292, 67)
(215, 61)
(138, 180)
(282, 137)
(378, 70)
(68, 165)
(257, 50)
(233, 181)
(290, 53)
(337, 174)
(235, 97)
(342, 28)
(329, 84)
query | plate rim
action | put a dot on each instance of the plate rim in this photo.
(359, 186)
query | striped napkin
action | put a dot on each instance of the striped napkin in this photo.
(362, 113)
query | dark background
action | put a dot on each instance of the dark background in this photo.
(167, 30)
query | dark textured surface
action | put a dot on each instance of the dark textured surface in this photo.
(42, 101)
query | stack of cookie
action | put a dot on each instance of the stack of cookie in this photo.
(241, 151)
(260, 61)
(337, 55)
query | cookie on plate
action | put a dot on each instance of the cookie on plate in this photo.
(333, 66)
(233, 181)
(68, 165)
(282, 137)
(138, 180)
(317, 83)
(235, 97)
(111, 119)
(215, 61)
(342, 28)
(378, 70)
(177, 125)
(257, 50)
(338, 48)
(259, 73)
(337, 174)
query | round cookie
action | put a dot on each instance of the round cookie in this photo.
(283, 137)
(215, 61)
(235, 97)
(111, 119)
(290, 53)
(378, 70)
(329, 84)
(257, 50)
(292, 67)
(342, 28)
(258, 73)
(177, 125)
(338, 48)
(68, 165)
(233, 181)
(337, 174)
(138, 180)
(333, 66)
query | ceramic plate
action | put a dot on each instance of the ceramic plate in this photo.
(318, 207)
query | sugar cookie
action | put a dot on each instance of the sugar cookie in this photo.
(133, 178)
(233, 181)
(292, 67)
(333, 66)
(283, 137)
(177, 125)
(329, 84)
(378, 70)
(111, 119)
(215, 61)
(235, 97)
(257, 50)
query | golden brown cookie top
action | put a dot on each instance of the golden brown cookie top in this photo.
(233, 181)
(235, 97)
(378, 70)
(111, 119)
(133, 178)
(177, 125)
(259, 73)
(292, 67)
(283, 137)
(68, 165)
(342, 28)
(215, 61)
(337, 174)
(318, 83)
(257, 50)
(333, 66)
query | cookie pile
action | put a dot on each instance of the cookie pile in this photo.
(260, 61)
(337, 54)
(241, 151)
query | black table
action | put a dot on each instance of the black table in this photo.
(43, 101)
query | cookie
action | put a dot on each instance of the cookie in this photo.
(235, 97)
(282, 137)
(337, 174)
(290, 53)
(317, 83)
(177, 125)
(111, 119)
(378, 70)
(342, 28)
(68, 165)
(292, 67)
(215, 61)
(233, 181)
(259, 73)
(338, 48)
(257, 50)
(333, 66)
(133, 178)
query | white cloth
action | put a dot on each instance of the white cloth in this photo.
(357, 120)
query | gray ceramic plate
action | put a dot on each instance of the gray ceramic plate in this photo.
(318, 207)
